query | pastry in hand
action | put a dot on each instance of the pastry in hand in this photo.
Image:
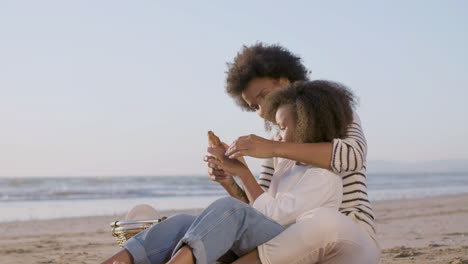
(213, 140)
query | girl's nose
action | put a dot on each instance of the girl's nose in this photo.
(279, 137)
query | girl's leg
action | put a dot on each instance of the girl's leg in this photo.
(155, 244)
(122, 257)
(227, 224)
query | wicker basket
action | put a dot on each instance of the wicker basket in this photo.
(124, 230)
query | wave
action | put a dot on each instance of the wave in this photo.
(98, 188)
(381, 186)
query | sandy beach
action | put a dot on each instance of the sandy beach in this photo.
(431, 230)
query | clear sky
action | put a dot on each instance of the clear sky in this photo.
(131, 87)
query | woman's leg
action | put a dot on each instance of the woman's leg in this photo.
(322, 236)
(183, 256)
(227, 224)
(155, 244)
(251, 258)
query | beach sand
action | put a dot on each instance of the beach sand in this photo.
(431, 230)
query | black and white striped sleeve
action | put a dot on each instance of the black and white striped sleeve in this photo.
(349, 154)
(266, 174)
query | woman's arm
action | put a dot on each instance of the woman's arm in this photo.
(349, 154)
(266, 173)
(341, 155)
(316, 154)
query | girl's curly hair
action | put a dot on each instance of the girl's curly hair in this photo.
(323, 110)
(261, 61)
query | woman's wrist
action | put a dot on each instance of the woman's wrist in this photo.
(276, 148)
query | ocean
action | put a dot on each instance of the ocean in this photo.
(47, 198)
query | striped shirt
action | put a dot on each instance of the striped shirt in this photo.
(349, 161)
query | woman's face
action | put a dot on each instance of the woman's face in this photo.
(257, 89)
(286, 123)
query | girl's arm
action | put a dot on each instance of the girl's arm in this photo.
(341, 155)
(224, 179)
(231, 186)
(316, 188)
(234, 167)
(233, 189)
(251, 186)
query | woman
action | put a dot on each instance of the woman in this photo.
(297, 190)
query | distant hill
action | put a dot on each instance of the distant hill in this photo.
(379, 166)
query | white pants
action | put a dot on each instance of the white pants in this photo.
(323, 235)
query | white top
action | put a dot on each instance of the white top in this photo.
(296, 189)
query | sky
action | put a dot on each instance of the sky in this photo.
(114, 88)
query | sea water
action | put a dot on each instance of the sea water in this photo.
(46, 198)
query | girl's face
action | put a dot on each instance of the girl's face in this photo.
(286, 123)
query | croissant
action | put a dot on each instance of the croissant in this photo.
(213, 140)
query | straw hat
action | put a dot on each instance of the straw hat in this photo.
(142, 212)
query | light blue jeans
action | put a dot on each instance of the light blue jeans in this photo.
(226, 226)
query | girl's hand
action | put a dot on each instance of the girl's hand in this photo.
(216, 173)
(228, 165)
(253, 146)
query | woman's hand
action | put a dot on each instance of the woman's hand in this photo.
(221, 162)
(253, 146)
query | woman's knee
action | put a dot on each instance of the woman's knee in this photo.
(228, 202)
(328, 225)
(319, 226)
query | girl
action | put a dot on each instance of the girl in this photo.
(297, 192)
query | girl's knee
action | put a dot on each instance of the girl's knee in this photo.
(182, 219)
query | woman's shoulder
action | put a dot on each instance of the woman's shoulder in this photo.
(356, 118)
